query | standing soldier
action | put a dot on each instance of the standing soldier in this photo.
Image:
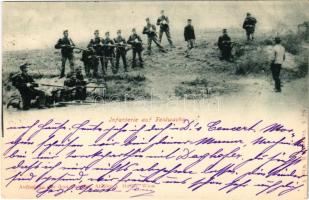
(225, 46)
(163, 22)
(120, 51)
(277, 60)
(249, 26)
(189, 36)
(66, 45)
(95, 45)
(150, 31)
(26, 87)
(136, 42)
(108, 52)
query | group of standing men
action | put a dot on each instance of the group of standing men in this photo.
(106, 50)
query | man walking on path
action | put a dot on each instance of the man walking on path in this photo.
(276, 64)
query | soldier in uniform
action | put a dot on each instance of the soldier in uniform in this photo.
(66, 45)
(120, 51)
(249, 26)
(137, 47)
(108, 51)
(90, 62)
(75, 86)
(95, 45)
(189, 36)
(163, 22)
(225, 46)
(150, 31)
(26, 87)
(276, 64)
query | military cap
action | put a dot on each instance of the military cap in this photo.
(248, 13)
(133, 29)
(66, 31)
(147, 19)
(106, 33)
(224, 30)
(96, 31)
(119, 31)
(24, 66)
(190, 20)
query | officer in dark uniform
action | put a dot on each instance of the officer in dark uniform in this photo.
(26, 87)
(108, 51)
(90, 62)
(75, 86)
(66, 45)
(95, 45)
(189, 36)
(249, 26)
(225, 46)
(120, 51)
(163, 22)
(137, 47)
(150, 31)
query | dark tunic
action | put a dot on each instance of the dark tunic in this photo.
(189, 33)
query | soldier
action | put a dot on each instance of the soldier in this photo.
(75, 86)
(189, 36)
(150, 31)
(136, 42)
(249, 26)
(26, 87)
(120, 51)
(277, 60)
(108, 52)
(95, 45)
(163, 22)
(66, 45)
(225, 46)
(90, 62)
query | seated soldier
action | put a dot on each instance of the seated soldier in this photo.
(26, 87)
(75, 86)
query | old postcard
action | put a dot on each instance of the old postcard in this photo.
(155, 100)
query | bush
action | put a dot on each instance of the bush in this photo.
(292, 43)
(302, 64)
(255, 61)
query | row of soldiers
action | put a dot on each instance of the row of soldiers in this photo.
(104, 50)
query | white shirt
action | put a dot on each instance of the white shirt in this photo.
(278, 54)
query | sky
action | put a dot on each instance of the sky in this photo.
(35, 25)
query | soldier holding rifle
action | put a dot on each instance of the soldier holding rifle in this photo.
(137, 47)
(150, 31)
(120, 51)
(66, 45)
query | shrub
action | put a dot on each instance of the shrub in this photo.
(302, 64)
(255, 61)
(292, 43)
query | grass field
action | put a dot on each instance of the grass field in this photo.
(170, 75)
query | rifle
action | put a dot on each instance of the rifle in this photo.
(61, 86)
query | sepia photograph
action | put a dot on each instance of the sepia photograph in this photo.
(123, 99)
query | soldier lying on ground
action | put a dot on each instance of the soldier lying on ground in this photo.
(26, 87)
